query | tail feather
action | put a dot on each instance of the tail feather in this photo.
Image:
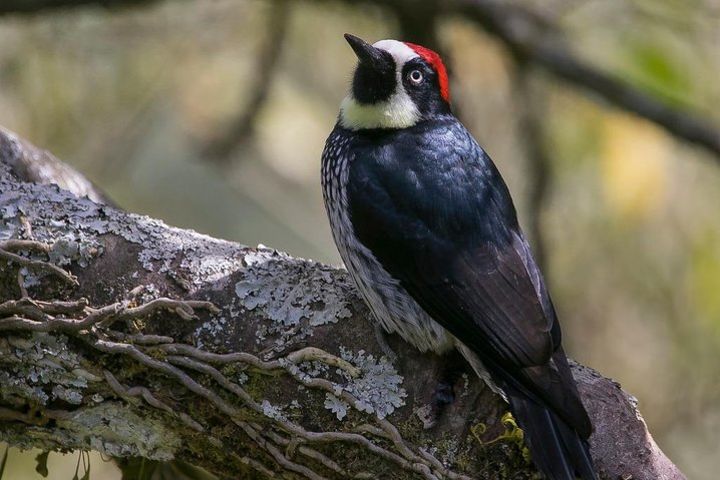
(557, 450)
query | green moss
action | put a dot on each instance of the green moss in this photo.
(157, 354)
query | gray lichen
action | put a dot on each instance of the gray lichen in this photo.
(272, 411)
(73, 226)
(74, 247)
(294, 306)
(378, 389)
(314, 368)
(114, 429)
(40, 369)
(210, 332)
(336, 406)
(149, 293)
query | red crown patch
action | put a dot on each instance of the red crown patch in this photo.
(437, 64)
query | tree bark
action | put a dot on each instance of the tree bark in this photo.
(123, 335)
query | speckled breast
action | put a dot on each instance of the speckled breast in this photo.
(393, 307)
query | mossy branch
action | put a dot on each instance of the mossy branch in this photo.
(121, 334)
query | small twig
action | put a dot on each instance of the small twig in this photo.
(103, 317)
(256, 465)
(15, 322)
(41, 310)
(373, 430)
(219, 378)
(299, 356)
(219, 358)
(183, 308)
(315, 354)
(47, 323)
(21, 284)
(138, 391)
(293, 444)
(129, 394)
(277, 454)
(39, 265)
(140, 339)
(15, 244)
(56, 307)
(241, 128)
(167, 369)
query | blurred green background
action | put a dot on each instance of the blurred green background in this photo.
(144, 101)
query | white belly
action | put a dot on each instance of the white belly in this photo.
(391, 305)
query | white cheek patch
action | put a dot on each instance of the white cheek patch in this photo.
(399, 111)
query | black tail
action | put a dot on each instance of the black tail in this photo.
(556, 449)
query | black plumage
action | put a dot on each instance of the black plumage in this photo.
(431, 208)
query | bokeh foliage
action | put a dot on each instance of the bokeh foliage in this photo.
(134, 97)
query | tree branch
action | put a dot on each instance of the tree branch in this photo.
(242, 127)
(244, 361)
(537, 41)
(40, 166)
(41, 6)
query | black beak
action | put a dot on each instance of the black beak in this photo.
(374, 77)
(366, 53)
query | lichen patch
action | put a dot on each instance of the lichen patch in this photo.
(378, 389)
(114, 429)
(40, 369)
(294, 307)
(73, 226)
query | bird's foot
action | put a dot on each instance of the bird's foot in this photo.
(443, 396)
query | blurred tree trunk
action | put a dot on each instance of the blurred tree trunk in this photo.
(123, 335)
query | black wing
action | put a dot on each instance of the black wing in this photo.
(435, 212)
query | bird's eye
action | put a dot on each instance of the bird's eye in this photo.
(416, 77)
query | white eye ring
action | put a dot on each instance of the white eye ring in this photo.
(416, 77)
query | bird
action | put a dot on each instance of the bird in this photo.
(429, 234)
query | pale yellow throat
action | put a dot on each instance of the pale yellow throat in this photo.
(399, 111)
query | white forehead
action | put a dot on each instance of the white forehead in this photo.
(400, 52)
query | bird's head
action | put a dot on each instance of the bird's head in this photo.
(395, 85)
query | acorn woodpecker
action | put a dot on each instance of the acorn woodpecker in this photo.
(427, 229)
